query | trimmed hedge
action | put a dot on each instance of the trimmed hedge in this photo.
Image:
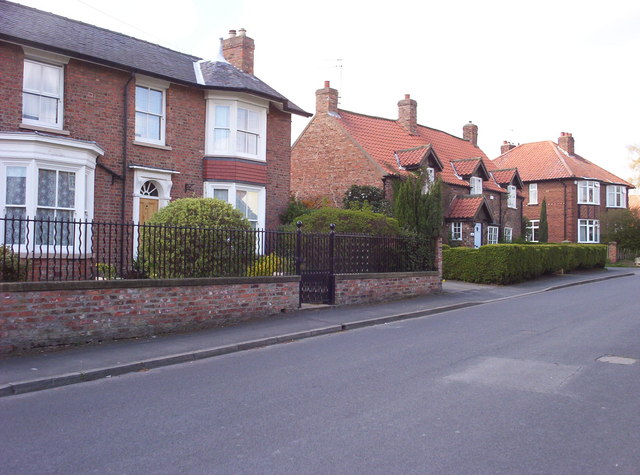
(510, 263)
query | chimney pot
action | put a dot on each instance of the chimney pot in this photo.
(242, 32)
(407, 96)
(327, 84)
(232, 33)
(327, 100)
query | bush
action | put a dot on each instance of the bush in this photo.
(196, 237)
(510, 263)
(295, 208)
(11, 269)
(271, 264)
(348, 221)
(368, 198)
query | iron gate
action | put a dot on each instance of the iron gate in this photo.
(315, 265)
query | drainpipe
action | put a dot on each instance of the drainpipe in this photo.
(124, 146)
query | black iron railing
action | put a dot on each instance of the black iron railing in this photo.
(34, 250)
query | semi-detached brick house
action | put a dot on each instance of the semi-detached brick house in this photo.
(338, 148)
(99, 125)
(578, 193)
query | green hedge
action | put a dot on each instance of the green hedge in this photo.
(509, 263)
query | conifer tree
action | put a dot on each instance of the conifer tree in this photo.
(544, 225)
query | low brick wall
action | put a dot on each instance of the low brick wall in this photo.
(368, 288)
(35, 315)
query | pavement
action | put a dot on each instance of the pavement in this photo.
(48, 369)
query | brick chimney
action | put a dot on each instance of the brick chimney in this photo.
(408, 114)
(327, 100)
(238, 50)
(566, 142)
(506, 146)
(470, 133)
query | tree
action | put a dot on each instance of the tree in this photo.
(417, 211)
(621, 226)
(634, 150)
(543, 231)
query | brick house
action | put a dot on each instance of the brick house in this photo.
(99, 125)
(338, 148)
(577, 192)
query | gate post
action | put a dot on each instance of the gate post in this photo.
(298, 254)
(332, 276)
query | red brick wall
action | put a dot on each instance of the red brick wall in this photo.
(95, 311)
(278, 165)
(325, 162)
(363, 288)
(226, 169)
(11, 69)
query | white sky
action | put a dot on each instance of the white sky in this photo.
(521, 71)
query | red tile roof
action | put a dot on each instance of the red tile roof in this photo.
(539, 161)
(380, 138)
(504, 177)
(466, 167)
(412, 156)
(466, 207)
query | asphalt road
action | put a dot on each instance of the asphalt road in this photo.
(509, 387)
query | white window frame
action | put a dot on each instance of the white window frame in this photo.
(588, 192)
(235, 102)
(508, 234)
(59, 68)
(41, 152)
(492, 234)
(591, 228)
(533, 230)
(456, 231)
(153, 84)
(476, 185)
(511, 197)
(232, 189)
(616, 196)
(533, 193)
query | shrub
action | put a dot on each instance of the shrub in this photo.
(271, 264)
(368, 198)
(11, 269)
(348, 221)
(510, 263)
(196, 237)
(295, 208)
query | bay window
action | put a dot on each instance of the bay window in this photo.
(616, 196)
(236, 126)
(248, 199)
(588, 192)
(588, 231)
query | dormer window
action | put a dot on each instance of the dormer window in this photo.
(476, 185)
(588, 192)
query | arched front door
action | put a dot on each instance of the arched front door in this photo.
(149, 201)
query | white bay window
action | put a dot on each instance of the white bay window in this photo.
(589, 192)
(616, 196)
(248, 199)
(236, 126)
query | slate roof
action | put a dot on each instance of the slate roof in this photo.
(467, 207)
(540, 161)
(381, 138)
(44, 30)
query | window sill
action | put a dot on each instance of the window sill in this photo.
(152, 145)
(589, 204)
(44, 129)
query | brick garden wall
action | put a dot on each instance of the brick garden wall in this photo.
(369, 288)
(34, 315)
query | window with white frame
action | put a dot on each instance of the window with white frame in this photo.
(588, 231)
(150, 111)
(456, 231)
(249, 200)
(511, 196)
(429, 178)
(616, 196)
(533, 193)
(533, 230)
(46, 184)
(588, 192)
(476, 185)
(492, 235)
(42, 94)
(236, 127)
(508, 234)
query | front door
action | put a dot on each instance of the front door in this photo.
(477, 235)
(148, 206)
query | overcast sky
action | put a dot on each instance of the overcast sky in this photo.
(521, 71)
